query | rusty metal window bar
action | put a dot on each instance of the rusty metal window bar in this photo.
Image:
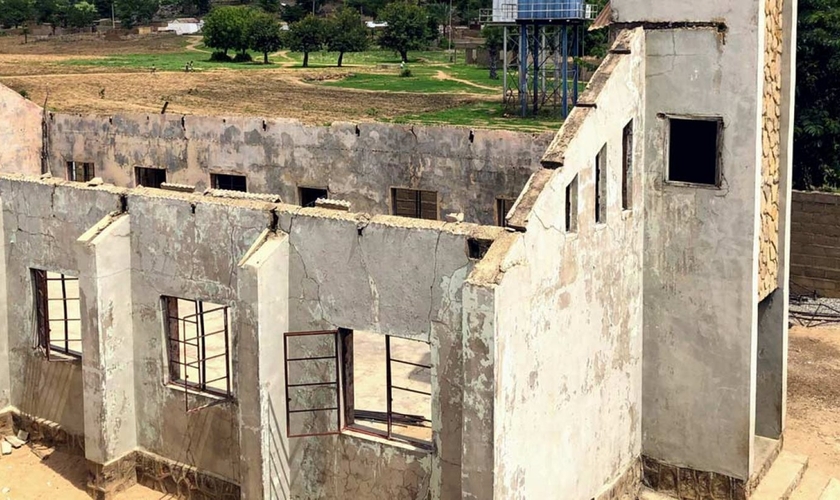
(80, 171)
(199, 348)
(58, 315)
(305, 359)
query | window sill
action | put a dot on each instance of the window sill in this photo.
(382, 440)
(600, 226)
(693, 185)
(627, 213)
(217, 398)
(571, 236)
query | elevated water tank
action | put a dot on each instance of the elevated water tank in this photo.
(550, 10)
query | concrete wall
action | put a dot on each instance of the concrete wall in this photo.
(815, 243)
(358, 163)
(20, 134)
(566, 322)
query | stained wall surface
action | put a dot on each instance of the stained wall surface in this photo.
(357, 163)
(20, 134)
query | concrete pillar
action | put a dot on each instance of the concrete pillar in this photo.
(262, 320)
(104, 260)
(5, 374)
(477, 458)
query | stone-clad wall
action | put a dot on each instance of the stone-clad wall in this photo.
(815, 242)
(768, 261)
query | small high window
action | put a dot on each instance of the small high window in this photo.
(198, 343)
(149, 177)
(601, 186)
(308, 196)
(228, 182)
(627, 167)
(80, 171)
(503, 206)
(694, 150)
(58, 315)
(572, 206)
(415, 203)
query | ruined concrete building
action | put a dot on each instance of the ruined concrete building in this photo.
(335, 333)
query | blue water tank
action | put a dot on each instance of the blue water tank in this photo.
(551, 9)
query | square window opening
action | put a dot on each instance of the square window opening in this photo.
(572, 206)
(229, 182)
(503, 206)
(694, 151)
(627, 167)
(80, 171)
(198, 346)
(58, 315)
(149, 177)
(308, 196)
(601, 186)
(415, 203)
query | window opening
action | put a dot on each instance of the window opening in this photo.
(387, 384)
(149, 177)
(312, 383)
(415, 203)
(79, 171)
(627, 167)
(572, 206)
(601, 186)
(198, 347)
(308, 196)
(228, 182)
(58, 315)
(503, 206)
(694, 150)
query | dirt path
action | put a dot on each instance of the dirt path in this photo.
(446, 76)
(284, 54)
(195, 41)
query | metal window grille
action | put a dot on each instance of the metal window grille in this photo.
(305, 359)
(229, 182)
(198, 347)
(404, 418)
(58, 315)
(415, 203)
(80, 171)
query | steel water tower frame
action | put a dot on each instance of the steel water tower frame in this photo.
(540, 36)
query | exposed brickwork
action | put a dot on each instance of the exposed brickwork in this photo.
(182, 480)
(105, 482)
(50, 434)
(768, 263)
(626, 486)
(690, 484)
(815, 242)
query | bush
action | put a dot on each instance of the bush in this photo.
(405, 73)
(220, 57)
(23, 93)
(242, 57)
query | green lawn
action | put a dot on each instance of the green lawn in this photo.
(422, 80)
(483, 114)
(324, 59)
(168, 62)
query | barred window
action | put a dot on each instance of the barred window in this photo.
(58, 315)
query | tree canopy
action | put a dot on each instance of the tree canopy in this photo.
(346, 33)
(264, 34)
(226, 28)
(81, 15)
(16, 12)
(407, 29)
(132, 12)
(306, 35)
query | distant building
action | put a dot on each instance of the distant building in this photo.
(184, 26)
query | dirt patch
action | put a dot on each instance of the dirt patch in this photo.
(446, 76)
(93, 45)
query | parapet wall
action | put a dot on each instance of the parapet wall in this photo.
(815, 243)
(357, 163)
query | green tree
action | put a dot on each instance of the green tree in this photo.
(305, 36)
(369, 8)
(493, 42)
(133, 12)
(195, 7)
(16, 12)
(407, 29)
(597, 42)
(82, 15)
(816, 145)
(346, 33)
(264, 34)
(52, 11)
(226, 28)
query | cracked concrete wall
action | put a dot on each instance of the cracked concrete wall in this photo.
(41, 223)
(358, 163)
(568, 312)
(701, 244)
(20, 134)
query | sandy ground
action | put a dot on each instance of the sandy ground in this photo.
(57, 477)
(813, 413)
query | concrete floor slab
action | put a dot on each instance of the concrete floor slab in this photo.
(782, 478)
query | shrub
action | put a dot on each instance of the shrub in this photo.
(243, 57)
(23, 93)
(220, 56)
(405, 73)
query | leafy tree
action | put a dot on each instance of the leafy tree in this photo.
(596, 42)
(264, 34)
(195, 7)
(82, 14)
(292, 13)
(305, 36)
(270, 6)
(493, 42)
(133, 12)
(52, 11)
(346, 33)
(367, 7)
(407, 28)
(816, 145)
(16, 12)
(226, 28)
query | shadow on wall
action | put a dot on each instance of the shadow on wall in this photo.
(278, 457)
(53, 391)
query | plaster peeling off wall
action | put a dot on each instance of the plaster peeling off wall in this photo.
(768, 261)
(568, 309)
(20, 134)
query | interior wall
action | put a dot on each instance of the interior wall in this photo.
(357, 163)
(20, 134)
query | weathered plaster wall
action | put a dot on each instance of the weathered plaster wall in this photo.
(701, 244)
(567, 350)
(41, 222)
(771, 148)
(20, 134)
(815, 249)
(358, 163)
